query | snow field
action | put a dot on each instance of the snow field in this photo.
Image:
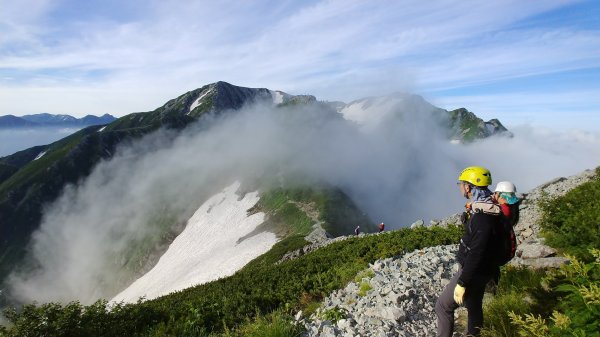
(208, 247)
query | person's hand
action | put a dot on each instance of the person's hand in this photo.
(464, 217)
(459, 293)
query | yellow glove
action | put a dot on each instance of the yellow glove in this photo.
(459, 293)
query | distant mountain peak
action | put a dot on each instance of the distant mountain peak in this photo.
(46, 119)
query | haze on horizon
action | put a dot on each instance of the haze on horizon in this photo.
(525, 63)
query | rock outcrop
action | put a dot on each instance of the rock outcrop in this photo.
(395, 298)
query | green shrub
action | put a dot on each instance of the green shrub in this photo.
(334, 314)
(276, 324)
(367, 273)
(363, 288)
(519, 291)
(260, 288)
(575, 290)
(571, 223)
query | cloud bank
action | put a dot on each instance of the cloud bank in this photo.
(13, 140)
(397, 171)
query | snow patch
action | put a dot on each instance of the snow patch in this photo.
(208, 248)
(199, 100)
(278, 97)
(101, 129)
(370, 111)
(40, 155)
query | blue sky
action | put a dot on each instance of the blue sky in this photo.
(525, 62)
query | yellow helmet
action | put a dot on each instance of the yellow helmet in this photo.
(476, 175)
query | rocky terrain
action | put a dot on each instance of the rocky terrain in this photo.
(396, 296)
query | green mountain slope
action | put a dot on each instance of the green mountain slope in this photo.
(466, 126)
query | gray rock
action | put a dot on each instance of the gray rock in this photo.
(418, 223)
(344, 324)
(534, 251)
(547, 262)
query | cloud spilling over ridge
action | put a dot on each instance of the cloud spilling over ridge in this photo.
(397, 171)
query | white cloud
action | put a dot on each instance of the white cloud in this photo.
(513, 55)
(332, 49)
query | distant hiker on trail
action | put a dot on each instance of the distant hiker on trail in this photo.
(381, 227)
(505, 196)
(476, 255)
(357, 230)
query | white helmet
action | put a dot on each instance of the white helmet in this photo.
(506, 186)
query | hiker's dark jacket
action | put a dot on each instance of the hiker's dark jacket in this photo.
(478, 249)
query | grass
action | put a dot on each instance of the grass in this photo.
(337, 212)
(519, 291)
(364, 288)
(275, 324)
(282, 213)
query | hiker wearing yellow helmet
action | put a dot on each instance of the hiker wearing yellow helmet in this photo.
(476, 255)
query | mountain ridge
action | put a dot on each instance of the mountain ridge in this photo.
(27, 183)
(50, 120)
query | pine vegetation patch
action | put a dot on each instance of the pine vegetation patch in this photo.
(571, 223)
(225, 305)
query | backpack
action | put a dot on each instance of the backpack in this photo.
(505, 235)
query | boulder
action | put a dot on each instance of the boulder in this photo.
(534, 251)
(546, 262)
(418, 223)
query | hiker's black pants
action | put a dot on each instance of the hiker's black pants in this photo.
(473, 301)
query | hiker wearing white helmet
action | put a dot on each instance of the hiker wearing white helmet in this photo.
(507, 191)
(505, 196)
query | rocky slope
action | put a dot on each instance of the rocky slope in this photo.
(396, 296)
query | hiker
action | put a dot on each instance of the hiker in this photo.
(381, 227)
(357, 230)
(476, 255)
(505, 196)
